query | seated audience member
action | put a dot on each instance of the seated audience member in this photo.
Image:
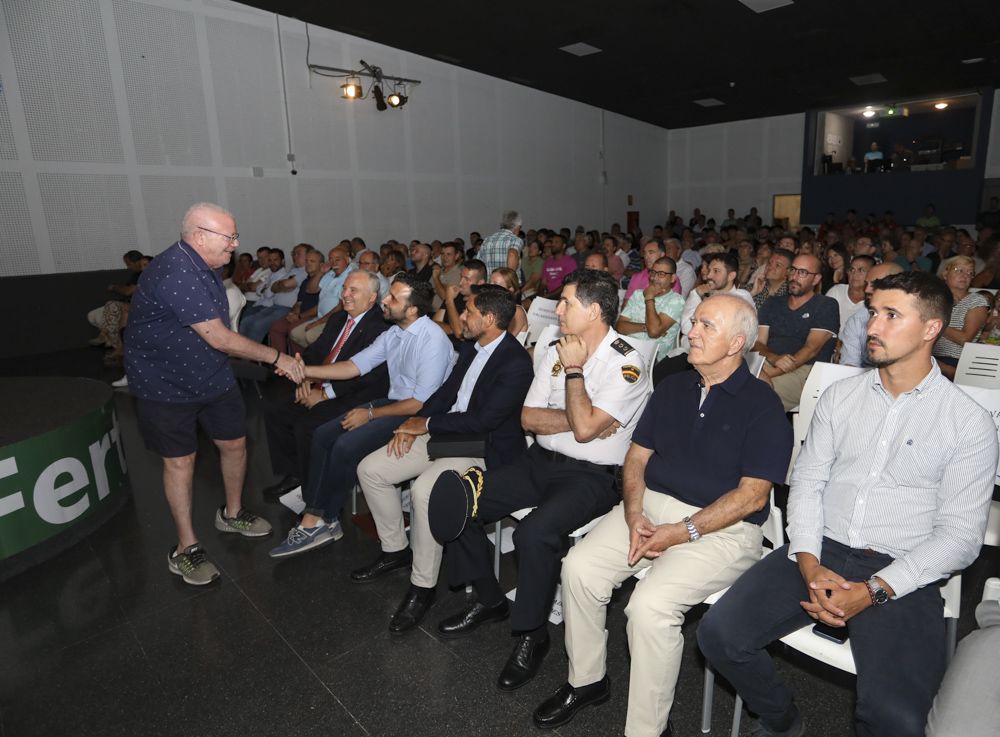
(449, 274)
(747, 260)
(687, 277)
(254, 285)
(864, 246)
(256, 320)
(291, 421)
(774, 280)
(968, 702)
(616, 266)
(371, 262)
(357, 246)
(655, 312)
(244, 268)
(597, 261)
(531, 266)
(449, 317)
(423, 263)
(989, 276)
(968, 316)
(418, 356)
(796, 331)
(308, 299)
(507, 278)
(679, 487)
(834, 267)
(854, 333)
(556, 268)
(850, 296)
(482, 398)
(330, 286)
(944, 245)
(652, 251)
(876, 517)
(583, 405)
(761, 258)
(910, 257)
(392, 265)
(106, 318)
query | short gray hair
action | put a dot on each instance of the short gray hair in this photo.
(374, 283)
(511, 219)
(188, 226)
(744, 320)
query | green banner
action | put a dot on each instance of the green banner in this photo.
(50, 482)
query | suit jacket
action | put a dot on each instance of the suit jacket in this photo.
(361, 389)
(495, 405)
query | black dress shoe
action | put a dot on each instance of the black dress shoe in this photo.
(275, 491)
(412, 609)
(465, 622)
(383, 564)
(524, 662)
(563, 705)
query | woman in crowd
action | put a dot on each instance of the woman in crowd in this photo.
(244, 268)
(507, 278)
(835, 267)
(968, 316)
(989, 277)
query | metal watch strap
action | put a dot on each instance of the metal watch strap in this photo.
(878, 594)
(693, 533)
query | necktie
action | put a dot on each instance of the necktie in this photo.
(340, 343)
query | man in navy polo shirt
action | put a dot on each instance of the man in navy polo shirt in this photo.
(697, 477)
(177, 349)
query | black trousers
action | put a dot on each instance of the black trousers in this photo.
(899, 647)
(290, 429)
(566, 496)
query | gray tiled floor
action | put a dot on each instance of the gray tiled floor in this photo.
(102, 641)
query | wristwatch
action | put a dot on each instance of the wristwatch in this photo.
(879, 595)
(693, 533)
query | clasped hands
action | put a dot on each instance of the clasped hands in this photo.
(646, 540)
(832, 599)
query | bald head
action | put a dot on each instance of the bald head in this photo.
(877, 272)
(741, 318)
(204, 215)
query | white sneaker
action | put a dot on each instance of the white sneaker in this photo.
(122, 383)
(293, 500)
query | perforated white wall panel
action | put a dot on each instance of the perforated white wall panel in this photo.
(327, 207)
(263, 212)
(247, 93)
(166, 199)
(62, 71)
(8, 150)
(89, 216)
(17, 241)
(166, 97)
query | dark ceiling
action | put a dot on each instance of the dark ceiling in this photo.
(660, 55)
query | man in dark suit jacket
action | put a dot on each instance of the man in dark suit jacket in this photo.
(481, 400)
(290, 425)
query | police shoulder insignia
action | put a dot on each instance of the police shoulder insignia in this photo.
(631, 373)
(622, 346)
(556, 368)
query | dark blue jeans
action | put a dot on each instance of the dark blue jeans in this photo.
(899, 648)
(334, 458)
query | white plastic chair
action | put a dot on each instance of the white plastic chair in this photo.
(542, 312)
(979, 365)
(547, 334)
(755, 362)
(989, 399)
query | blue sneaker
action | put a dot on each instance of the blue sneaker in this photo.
(335, 530)
(301, 539)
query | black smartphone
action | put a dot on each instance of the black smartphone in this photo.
(833, 634)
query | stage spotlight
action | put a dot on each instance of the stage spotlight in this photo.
(379, 97)
(396, 100)
(351, 89)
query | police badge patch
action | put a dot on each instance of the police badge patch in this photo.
(631, 373)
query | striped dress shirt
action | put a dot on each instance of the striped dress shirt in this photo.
(911, 477)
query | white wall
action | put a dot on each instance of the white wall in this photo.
(738, 165)
(993, 149)
(115, 115)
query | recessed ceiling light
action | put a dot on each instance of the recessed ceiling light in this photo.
(974, 60)
(864, 79)
(940, 105)
(762, 6)
(709, 102)
(580, 49)
(869, 113)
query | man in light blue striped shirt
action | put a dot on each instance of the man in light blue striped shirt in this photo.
(889, 495)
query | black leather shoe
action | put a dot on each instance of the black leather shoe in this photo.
(383, 564)
(524, 662)
(412, 609)
(465, 622)
(562, 706)
(276, 491)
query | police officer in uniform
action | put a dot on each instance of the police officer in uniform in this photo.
(582, 406)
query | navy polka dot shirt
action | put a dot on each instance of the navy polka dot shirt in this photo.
(165, 359)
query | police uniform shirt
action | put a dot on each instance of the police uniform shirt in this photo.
(616, 380)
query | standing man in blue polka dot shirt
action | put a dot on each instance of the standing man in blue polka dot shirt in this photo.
(177, 349)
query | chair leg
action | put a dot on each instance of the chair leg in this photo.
(707, 697)
(737, 716)
(354, 500)
(951, 631)
(497, 539)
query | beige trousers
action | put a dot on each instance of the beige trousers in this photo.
(788, 387)
(682, 577)
(379, 473)
(303, 337)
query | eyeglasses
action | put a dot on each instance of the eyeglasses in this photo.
(231, 238)
(661, 273)
(857, 270)
(963, 272)
(802, 272)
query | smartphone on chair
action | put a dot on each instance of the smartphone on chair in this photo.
(833, 634)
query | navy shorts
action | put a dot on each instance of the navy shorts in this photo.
(170, 429)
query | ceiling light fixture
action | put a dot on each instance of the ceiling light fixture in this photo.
(891, 110)
(397, 98)
(940, 105)
(974, 60)
(352, 88)
(869, 113)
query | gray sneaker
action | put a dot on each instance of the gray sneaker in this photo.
(192, 565)
(302, 539)
(245, 523)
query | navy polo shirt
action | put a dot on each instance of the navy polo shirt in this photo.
(788, 328)
(700, 453)
(165, 359)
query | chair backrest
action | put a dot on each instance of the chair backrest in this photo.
(237, 301)
(621, 300)
(979, 365)
(988, 399)
(542, 312)
(774, 526)
(522, 337)
(755, 362)
(646, 349)
(547, 335)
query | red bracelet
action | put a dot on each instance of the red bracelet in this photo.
(567, 368)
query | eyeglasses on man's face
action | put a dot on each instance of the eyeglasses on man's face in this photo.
(661, 273)
(801, 272)
(231, 238)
